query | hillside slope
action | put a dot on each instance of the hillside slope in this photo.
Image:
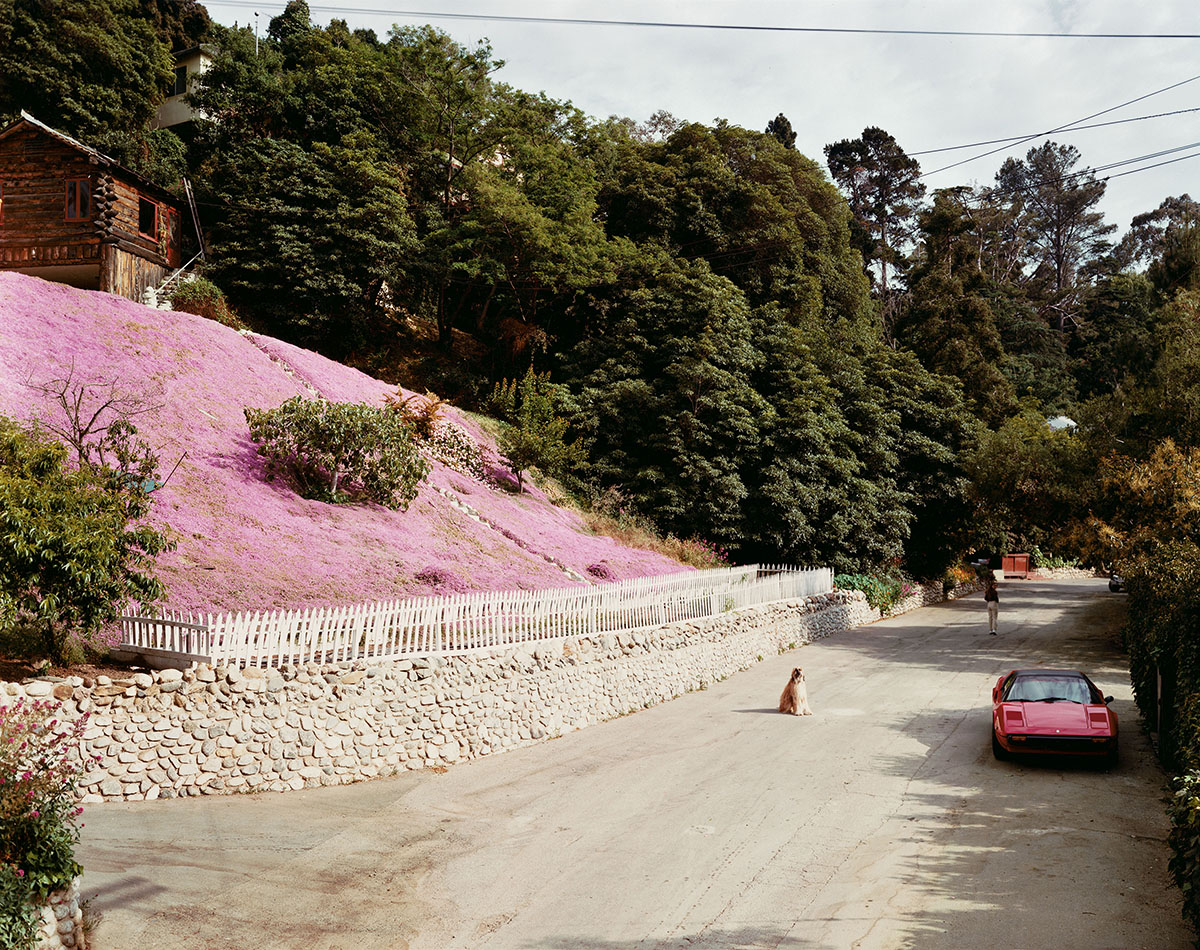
(245, 543)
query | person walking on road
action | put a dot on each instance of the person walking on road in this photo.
(992, 598)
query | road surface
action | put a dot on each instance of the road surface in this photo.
(882, 821)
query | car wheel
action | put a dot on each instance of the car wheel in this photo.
(1112, 757)
(1115, 588)
(998, 750)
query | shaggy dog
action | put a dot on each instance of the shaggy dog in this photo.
(795, 695)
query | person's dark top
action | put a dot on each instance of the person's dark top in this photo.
(992, 594)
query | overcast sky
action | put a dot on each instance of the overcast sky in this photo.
(930, 92)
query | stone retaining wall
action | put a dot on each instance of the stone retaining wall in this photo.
(62, 921)
(1055, 573)
(222, 730)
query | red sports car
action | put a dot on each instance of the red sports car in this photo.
(1052, 712)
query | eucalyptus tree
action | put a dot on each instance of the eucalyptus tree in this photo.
(1166, 239)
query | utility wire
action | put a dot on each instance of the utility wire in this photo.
(1074, 128)
(1061, 128)
(688, 25)
(1134, 171)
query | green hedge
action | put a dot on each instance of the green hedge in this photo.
(1162, 636)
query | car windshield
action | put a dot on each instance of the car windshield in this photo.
(1048, 688)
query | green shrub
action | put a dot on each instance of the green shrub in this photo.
(201, 296)
(19, 916)
(882, 592)
(72, 551)
(1038, 558)
(1183, 811)
(339, 451)
(39, 770)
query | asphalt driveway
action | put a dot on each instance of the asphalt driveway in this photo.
(882, 821)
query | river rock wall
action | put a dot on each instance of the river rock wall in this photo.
(219, 730)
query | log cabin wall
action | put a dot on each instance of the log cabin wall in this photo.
(35, 235)
(143, 224)
(72, 215)
(129, 275)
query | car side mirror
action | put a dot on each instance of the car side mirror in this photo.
(1107, 700)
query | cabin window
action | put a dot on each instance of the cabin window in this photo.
(179, 85)
(147, 218)
(79, 199)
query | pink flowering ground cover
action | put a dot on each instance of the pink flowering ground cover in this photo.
(248, 544)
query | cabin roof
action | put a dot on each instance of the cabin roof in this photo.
(97, 156)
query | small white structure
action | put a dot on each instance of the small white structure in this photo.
(189, 63)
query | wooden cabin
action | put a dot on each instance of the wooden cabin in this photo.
(73, 215)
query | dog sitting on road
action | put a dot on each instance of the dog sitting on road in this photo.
(795, 695)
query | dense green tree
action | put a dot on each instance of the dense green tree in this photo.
(180, 24)
(445, 100)
(762, 215)
(662, 385)
(884, 188)
(526, 238)
(1167, 405)
(780, 129)
(800, 473)
(292, 25)
(1117, 342)
(94, 69)
(952, 330)
(935, 436)
(307, 238)
(868, 510)
(1031, 483)
(1035, 360)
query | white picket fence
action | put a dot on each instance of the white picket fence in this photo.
(462, 623)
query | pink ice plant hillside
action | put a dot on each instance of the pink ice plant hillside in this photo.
(244, 543)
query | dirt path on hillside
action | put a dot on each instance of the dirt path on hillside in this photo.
(712, 821)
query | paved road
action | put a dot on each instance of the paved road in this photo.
(712, 821)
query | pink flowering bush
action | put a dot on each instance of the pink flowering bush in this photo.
(40, 767)
(703, 554)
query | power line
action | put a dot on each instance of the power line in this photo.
(1074, 128)
(1134, 171)
(1062, 128)
(687, 25)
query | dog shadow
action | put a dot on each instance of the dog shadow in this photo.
(773, 710)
